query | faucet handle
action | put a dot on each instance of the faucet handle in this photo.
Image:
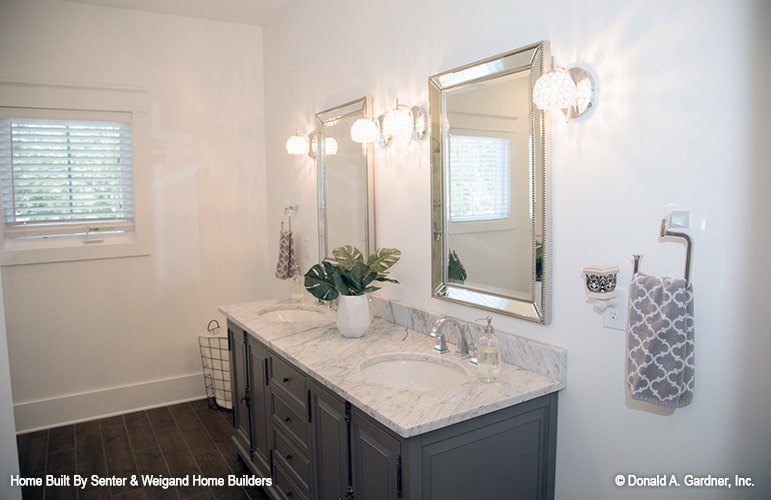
(465, 343)
(441, 344)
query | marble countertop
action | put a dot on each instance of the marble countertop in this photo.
(317, 348)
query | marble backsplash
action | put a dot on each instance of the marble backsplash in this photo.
(538, 357)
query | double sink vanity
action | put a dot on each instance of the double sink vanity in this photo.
(382, 416)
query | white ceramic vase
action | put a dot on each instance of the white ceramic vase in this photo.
(353, 315)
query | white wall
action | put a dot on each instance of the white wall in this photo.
(95, 337)
(673, 129)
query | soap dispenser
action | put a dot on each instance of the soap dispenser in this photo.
(489, 354)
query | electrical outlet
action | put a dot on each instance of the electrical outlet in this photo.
(616, 317)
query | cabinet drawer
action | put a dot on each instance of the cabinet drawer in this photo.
(292, 424)
(290, 381)
(286, 485)
(291, 458)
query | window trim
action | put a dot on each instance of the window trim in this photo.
(85, 98)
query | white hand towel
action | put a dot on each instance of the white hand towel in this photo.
(287, 261)
(660, 360)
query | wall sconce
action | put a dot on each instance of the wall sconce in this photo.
(365, 131)
(571, 90)
(407, 123)
(299, 145)
(404, 122)
(399, 122)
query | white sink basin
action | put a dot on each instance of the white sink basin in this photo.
(417, 372)
(292, 315)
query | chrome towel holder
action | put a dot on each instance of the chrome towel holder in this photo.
(677, 219)
(288, 212)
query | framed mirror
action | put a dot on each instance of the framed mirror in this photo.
(490, 239)
(344, 170)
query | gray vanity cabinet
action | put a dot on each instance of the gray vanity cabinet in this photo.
(331, 416)
(509, 453)
(375, 459)
(315, 445)
(354, 456)
(248, 368)
(237, 347)
(291, 430)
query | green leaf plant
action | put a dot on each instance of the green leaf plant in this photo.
(350, 274)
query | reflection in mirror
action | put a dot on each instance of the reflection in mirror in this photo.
(344, 180)
(488, 185)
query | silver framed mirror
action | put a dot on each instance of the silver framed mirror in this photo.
(489, 164)
(344, 175)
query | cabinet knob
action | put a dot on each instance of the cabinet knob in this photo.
(289, 458)
(287, 419)
(285, 379)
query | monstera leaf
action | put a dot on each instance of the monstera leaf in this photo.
(322, 281)
(383, 259)
(347, 256)
(358, 279)
(350, 274)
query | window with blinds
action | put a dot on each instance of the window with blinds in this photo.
(65, 178)
(479, 181)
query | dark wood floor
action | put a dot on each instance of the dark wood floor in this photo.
(182, 440)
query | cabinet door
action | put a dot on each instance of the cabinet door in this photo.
(239, 388)
(375, 459)
(508, 454)
(257, 355)
(329, 416)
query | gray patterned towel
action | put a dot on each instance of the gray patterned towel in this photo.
(287, 261)
(659, 343)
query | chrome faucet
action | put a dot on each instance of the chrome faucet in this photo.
(461, 348)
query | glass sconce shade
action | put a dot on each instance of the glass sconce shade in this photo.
(571, 90)
(419, 124)
(403, 122)
(555, 90)
(330, 146)
(364, 131)
(398, 122)
(297, 145)
(584, 90)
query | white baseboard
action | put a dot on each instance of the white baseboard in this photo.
(73, 408)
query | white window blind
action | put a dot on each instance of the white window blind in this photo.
(479, 182)
(65, 177)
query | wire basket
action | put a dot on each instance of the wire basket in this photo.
(215, 359)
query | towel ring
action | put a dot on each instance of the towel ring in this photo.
(665, 231)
